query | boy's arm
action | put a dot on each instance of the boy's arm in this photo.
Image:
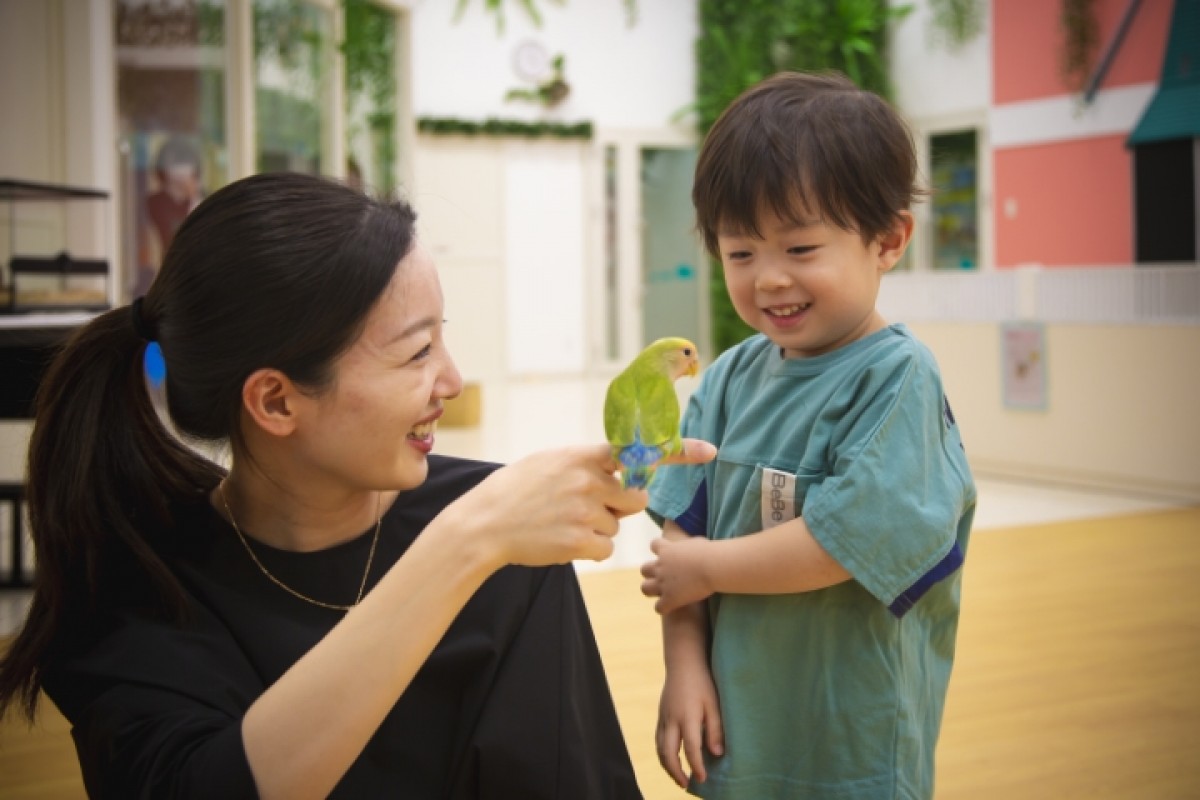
(689, 714)
(784, 559)
(685, 632)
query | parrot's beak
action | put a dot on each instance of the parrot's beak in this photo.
(693, 368)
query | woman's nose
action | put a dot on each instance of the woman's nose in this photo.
(450, 382)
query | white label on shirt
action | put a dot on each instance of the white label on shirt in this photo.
(778, 497)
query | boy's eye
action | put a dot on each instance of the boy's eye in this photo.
(802, 249)
(735, 255)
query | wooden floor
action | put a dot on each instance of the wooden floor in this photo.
(1078, 674)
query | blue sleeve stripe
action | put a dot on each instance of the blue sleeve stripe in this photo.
(942, 570)
(694, 520)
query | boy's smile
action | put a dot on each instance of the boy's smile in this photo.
(787, 316)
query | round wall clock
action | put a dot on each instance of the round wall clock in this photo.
(531, 62)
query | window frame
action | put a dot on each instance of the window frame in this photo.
(921, 250)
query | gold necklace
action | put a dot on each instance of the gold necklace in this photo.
(245, 543)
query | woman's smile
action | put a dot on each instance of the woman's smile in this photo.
(421, 435)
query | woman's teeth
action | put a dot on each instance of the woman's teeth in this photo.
(423, 431)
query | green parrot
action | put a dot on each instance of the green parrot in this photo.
(641, 411)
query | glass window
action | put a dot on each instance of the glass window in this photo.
(369, 48)
(272, 63)
(171, 88)
(955, 202)
(293, 47)
(670, 246)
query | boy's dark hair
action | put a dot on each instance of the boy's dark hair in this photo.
(803, 145)
(274, 270)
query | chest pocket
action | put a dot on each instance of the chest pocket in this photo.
(767, 497)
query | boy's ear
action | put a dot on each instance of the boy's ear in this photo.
(894, 241)
(269, 398)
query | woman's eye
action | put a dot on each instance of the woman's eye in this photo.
(424, 353)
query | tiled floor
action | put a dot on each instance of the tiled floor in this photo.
(520, 417)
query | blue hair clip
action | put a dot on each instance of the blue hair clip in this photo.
(156, 367)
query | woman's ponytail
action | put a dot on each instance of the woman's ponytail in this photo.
(103, 472)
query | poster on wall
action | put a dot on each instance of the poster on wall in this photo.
(1023, 359)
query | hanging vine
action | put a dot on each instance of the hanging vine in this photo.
(956, 22)
(530, 7)
(369, 46)
(1081, 35)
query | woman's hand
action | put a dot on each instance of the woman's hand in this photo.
(556, 506)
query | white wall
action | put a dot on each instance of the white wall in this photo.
(56, 91)
(30, 137)
(933, 80)
(544, 205)
(56, 105)
(503, 219)
(620, 75)
(459, 196)
(526, 293)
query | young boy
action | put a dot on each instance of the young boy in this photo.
(828, 536)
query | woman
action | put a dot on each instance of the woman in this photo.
(336, 614)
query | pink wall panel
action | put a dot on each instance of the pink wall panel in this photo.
(1064, 204)
(1028, 42)
(1025, 46)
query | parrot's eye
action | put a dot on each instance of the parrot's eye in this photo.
(687, 351)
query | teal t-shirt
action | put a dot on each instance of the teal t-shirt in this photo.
(837, 693)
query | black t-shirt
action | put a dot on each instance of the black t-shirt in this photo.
(513, 702)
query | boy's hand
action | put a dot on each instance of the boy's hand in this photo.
(679, 576)
(689, 716)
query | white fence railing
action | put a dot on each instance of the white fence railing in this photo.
(1167, 295)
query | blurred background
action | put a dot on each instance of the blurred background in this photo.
(548, 147)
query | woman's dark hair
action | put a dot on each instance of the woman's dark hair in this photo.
(275, 270)
(805, 144)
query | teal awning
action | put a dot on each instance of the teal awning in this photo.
(1174, 113)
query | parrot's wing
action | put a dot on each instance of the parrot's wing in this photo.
(660, 412)
(621, 411)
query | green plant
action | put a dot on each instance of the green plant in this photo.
(368, 48)
(451, 126)
(743, 41)
(956, 22)
(530, 7)
(497, 8)
(550, 92)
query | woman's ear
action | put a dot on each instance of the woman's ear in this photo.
(269, 399)
(894, 241)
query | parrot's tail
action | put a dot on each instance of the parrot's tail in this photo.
(638, 461)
